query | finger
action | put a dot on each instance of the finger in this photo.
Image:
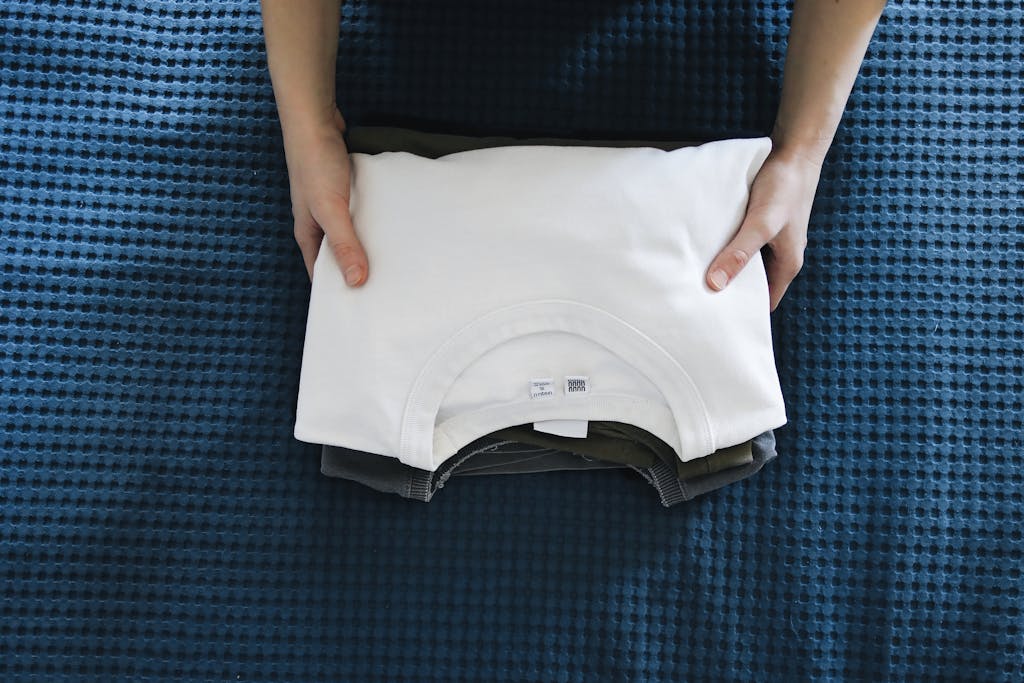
(341, 237)
(775, 293)
(309, 244)
(781, 270)
(751, 236)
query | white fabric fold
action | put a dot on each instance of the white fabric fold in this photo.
(526, 283)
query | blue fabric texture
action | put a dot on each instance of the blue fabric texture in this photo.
(159, 522)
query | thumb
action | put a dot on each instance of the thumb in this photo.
(343, 242)
(734, 256)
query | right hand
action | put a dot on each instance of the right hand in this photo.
(319, 175)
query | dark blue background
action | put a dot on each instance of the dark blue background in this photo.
(159, 521)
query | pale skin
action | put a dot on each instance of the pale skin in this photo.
(827, 43)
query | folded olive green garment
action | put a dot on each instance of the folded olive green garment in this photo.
(631, 445)
(607, 441)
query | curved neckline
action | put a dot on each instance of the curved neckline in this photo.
(544, 315)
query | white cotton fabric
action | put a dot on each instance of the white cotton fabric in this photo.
(493, 268)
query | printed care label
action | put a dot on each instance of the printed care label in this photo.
(576, 384)
(542, 387)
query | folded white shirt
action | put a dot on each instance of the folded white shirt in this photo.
(528, 283)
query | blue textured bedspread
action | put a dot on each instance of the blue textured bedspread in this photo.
(159, 522)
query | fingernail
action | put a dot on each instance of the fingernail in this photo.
(352, 274)
(719, 278)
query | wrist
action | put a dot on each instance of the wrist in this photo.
(808, 149)
(300, 118)
(311, 127)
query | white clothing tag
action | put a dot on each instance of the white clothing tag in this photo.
(576, 384)
(574, 428)
(542, 387)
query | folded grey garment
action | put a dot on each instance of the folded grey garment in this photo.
(498, 456)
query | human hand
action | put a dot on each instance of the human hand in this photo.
(319, 176)
(776, 218)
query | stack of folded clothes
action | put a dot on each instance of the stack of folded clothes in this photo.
(522, 448)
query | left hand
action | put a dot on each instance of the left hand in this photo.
(777, 214)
